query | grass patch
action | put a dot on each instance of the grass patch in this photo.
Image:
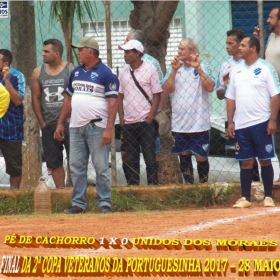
(123, 201)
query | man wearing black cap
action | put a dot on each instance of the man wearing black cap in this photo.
(92, 95)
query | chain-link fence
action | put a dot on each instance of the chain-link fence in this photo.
(164, 24)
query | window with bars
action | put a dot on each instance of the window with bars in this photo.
(119, 30)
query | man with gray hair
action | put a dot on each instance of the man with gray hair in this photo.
(189, 83)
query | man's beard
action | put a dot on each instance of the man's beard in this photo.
(272, 28)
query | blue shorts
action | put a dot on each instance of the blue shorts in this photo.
(197, 143)
(253, 141)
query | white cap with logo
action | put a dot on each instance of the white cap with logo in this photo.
(132, 45)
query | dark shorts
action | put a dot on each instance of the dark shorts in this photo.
(12, 152)
(53, 149)
(253, 141)
(197, 143)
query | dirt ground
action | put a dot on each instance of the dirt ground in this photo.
(188, 225)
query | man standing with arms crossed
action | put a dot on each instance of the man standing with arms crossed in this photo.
(234, 37)
(92, 102)
(272, 55)
(48, 87)
(252, 108)
(11, 125)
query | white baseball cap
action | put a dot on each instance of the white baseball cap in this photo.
(132, 45)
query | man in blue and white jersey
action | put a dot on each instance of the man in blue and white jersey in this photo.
(189, 82)
(92, 95)
(252, 108)
(234, 37)
(11, 125)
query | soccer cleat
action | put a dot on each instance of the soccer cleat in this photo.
(242, 203)
(74, 210)
(268, 202)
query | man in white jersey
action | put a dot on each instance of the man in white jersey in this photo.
(252, 108)
(234, 37)
(272, 55)
(189, 82)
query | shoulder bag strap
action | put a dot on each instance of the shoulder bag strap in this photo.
(140, 88)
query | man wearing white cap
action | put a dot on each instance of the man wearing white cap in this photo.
(138, 101)
(92, 95)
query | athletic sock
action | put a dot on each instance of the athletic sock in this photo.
(246, 176)
(203, 171)
(187, 168)
(256, 174)
(267, 177)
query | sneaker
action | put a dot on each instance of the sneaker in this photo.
(268, 202)
(242, 203)
(105, 209)
(74, 210)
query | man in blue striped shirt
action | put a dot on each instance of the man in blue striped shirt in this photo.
(11, 125)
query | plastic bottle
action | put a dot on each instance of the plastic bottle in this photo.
(157, 144)
(42, 198)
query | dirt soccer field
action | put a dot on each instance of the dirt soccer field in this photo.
(237, 229)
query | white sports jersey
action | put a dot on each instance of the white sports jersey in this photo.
(226, 67)
(252, 88)
(190, 102)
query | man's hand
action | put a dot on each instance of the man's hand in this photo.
(107, 137)
(226, 79)
(6, 73)
(271, 127)
(59, 133)
(176, 64)
(230, 130)
(256, 32)
(195, 61)
(149, 120)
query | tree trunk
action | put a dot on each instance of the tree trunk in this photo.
(153, 18)
(23, 48)
(67, 34)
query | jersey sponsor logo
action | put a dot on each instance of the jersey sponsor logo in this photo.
(205, 147)
(76, 73)
(257, 71)
(54, 96)
(112, 86)
(93, 76)
(80, 87)
(268, 148)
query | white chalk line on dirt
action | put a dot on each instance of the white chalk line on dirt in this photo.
(192, 228)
